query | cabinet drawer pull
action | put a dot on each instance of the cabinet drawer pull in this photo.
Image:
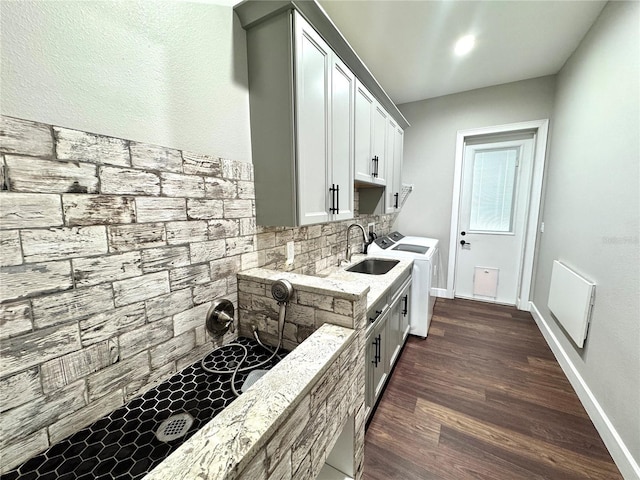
(396, 197)
(338, 199)
(406, 301)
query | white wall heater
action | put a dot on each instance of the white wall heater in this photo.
(571, 300)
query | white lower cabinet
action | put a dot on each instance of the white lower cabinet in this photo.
(377, 358)
(405, 325)
(389, 319)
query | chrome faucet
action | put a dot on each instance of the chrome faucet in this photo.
(364, 238)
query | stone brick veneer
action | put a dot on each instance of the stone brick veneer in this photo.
(112, 251)
(338, 397)
(301, 445)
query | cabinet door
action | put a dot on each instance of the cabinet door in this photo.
(394, 333)
(395, 139)
(370, 365)
(398, 150)
(405, 313)
(379, 370)
(363, 126)
(342, 147)
(312, 67)
(390, 190)
(379, 143)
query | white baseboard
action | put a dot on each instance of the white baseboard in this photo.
(619, 452)
(440, 293)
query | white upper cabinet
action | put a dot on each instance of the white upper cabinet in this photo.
(379, 143)
(364, 160)
(370, 138)
(342, 139)
(316, 127)
(395, 140)
(313, 108)
(324, 93)
(302, 100)
(398, 156)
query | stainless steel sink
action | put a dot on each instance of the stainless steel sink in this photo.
(373, 266)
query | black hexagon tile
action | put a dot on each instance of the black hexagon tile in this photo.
(128, 443)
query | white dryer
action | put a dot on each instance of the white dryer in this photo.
(424, 253)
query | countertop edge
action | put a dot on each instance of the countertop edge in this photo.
(225, 445)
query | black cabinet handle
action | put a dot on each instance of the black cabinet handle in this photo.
(376, 355)
(375, 167)
(338, 199)
(373, 319)
(406, 301)
(396, 195)
(333, 209)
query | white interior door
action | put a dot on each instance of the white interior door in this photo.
(494, 201)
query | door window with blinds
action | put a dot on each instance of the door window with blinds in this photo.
(493, 190)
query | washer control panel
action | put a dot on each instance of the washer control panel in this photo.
(384, 242)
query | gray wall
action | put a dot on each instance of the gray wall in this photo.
(592, 209)
(430, 143)
(165, 73)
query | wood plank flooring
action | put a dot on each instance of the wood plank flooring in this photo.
(484, 398)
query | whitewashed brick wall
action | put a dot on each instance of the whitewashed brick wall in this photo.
(111, 252)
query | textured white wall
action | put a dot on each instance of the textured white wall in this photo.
(592, 209)
(169, 73)
(430, 144)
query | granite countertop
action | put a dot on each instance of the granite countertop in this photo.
(228, 443)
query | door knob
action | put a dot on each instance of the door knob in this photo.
(463, 243)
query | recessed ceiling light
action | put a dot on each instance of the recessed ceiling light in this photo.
(465, 45)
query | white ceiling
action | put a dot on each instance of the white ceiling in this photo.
(408, 45)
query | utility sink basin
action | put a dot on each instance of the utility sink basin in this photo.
(373, 266)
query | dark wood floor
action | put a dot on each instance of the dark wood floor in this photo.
(482, 397)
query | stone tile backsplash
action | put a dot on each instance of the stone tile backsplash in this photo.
(112, 251)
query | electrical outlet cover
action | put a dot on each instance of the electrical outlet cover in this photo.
(290, 252)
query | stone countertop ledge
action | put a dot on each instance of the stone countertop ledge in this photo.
(225, 446)
(336, 281)
(378, 284)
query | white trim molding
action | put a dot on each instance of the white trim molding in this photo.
(619, 452)
(440, 293)
(541, 128)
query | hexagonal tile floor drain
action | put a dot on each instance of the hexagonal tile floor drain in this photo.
(125, 444)
(174, 427)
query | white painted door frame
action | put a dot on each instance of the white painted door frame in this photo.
(541, 128)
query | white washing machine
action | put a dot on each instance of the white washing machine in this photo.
(424, 253)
